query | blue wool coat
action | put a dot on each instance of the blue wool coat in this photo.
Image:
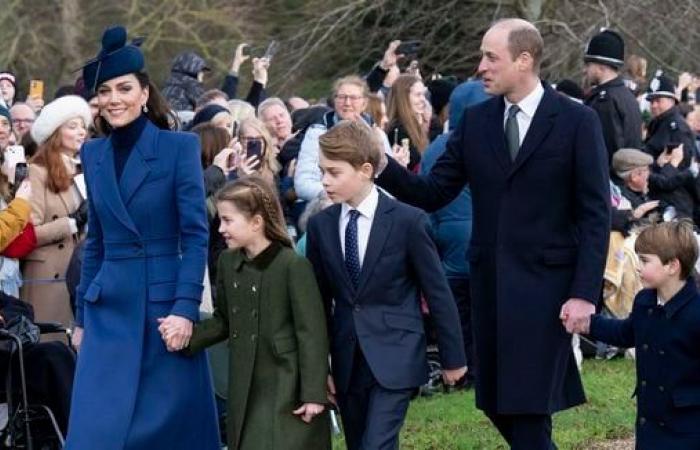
(144, 258)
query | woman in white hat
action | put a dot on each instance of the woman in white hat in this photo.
(58, 218)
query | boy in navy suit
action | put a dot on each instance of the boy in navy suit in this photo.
(664, 326)
(373, 258)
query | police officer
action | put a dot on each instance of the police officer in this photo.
(615, 104)
(667, 125)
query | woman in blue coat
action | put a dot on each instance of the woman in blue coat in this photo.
(144, 260)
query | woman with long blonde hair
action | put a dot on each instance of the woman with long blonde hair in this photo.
(267, 166)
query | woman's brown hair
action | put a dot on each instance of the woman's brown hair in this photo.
(253, 195)
(399, 111)
(212, 140)
(50, 156)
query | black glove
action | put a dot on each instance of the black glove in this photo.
(80, 215)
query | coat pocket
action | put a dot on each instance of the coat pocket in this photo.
(284, 345)
(686, 397)
(162, 292)
(92, 294)
(559, 256)
(404, 322)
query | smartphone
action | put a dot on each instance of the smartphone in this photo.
(254, 148)
(14, 154)
(408, 48)
(670, 146)
(396, 136)
(271, 50)
(36, 89)
(21, 173)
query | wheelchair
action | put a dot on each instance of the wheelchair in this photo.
(29, 426)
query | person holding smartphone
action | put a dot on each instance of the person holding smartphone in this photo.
(257, 152)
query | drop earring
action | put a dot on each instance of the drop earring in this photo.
(144, 108)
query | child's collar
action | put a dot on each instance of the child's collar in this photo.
(682, 297)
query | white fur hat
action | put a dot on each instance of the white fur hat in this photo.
(57, 113)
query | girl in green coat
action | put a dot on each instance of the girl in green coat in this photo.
(269, 308)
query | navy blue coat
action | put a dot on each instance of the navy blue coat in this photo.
(383, 314)
(539, 237)
(144, 258)
(667, 339)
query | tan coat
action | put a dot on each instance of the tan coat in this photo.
(45, 269)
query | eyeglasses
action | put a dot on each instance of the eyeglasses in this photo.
(352, 98)
(20, 121)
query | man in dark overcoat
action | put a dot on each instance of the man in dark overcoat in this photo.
(537, 166)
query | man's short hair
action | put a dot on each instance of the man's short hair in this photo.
(668, 241)
(353, 142)
(209, 96)
(272, 101)
(524, 37)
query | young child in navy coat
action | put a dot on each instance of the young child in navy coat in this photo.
(373, 258)
(664, 326)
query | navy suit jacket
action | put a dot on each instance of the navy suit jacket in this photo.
(383, 314)
(539, 237)
(668, 364)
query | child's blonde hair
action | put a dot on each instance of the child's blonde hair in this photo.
(668, 241)
(252, 195)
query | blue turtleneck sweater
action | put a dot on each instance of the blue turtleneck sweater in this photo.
(123, 141)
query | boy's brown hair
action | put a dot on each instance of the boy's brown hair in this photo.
(669, 240)
(353, 142)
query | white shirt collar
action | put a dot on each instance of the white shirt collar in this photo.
(366, 208)
(528, 105)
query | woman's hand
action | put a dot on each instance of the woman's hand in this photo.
(308, 411)
(24, 191)
(249, 165)
(401, 154)
(239, 58)
(176, 332)
(260, 66)
(77, 338)
(390, 57)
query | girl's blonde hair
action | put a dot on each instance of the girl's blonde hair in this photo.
(269, 158)
(400, 111)
(252, 195)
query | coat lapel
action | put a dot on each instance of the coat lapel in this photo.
(106, 184)
(381, 227)
(137, 168)
(540, 127)
(497, 134)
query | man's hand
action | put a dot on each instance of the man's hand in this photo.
(176, 332)
(676, 156)
(576, 315)
(260, 66)
(330, 391)
(451, 376)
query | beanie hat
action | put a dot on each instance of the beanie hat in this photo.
(57, 113)
(9, 76)
(6, 112)
(207, 113)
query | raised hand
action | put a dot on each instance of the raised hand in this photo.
(239, 58)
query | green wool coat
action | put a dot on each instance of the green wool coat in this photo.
(270, 310)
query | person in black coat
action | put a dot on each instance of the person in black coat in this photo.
(541, 202)
(664, 326)
(668, 127)
(614, 103)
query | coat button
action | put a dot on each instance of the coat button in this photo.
(234, 334)
(254, 313)
(644, 383)
(357, 308)
(661, 388)
(661, 424)
(642, 420)
(234, 309)
(254, 289)
(645, 347)
(650, 311)
(54, 218)
(662, 353)
(235, 285)
(60, 246)
(55, 277)
(253, 337)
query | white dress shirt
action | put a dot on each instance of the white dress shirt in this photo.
(366, 208)
(528, 106)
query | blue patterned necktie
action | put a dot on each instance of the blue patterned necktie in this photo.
(352, 254)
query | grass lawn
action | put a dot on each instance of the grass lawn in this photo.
(451, 422)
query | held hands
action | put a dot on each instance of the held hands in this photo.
(330, 391)
(451, 376)
(308, 411)
(576, 315)
(176, 332)
(77, 338)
